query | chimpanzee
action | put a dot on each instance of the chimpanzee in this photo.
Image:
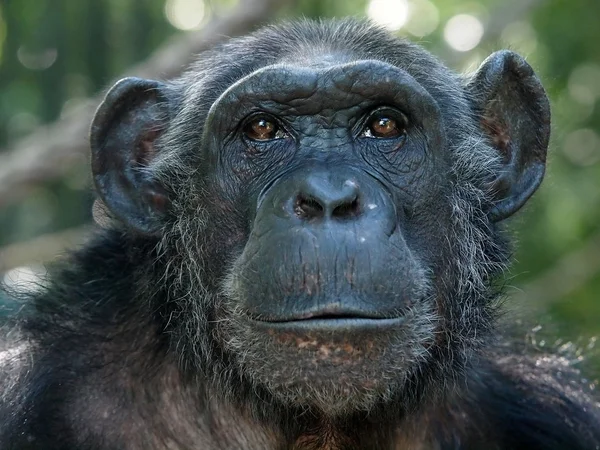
(301, 249)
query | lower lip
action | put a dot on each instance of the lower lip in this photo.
(332, 324)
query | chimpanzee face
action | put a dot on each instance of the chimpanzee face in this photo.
(338, 170)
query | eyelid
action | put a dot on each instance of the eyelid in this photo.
(258, 115)
(400, 117)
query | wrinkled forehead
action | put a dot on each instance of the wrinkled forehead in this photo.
(292, 89)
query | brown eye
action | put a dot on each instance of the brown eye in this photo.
(385, 126)
(263, 129)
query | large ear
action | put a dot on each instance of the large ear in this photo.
(514, 112)
(123, 135)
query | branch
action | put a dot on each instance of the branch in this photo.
(54, 149)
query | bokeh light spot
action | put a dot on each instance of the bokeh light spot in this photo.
(26, 278)
(582, 147)
(37, 60)
(584, 83)
(185, 14)
(391, 14)
(423, 18)
(463, 32)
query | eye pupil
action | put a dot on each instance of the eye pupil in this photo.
(263, 126)
(261, 130)
(384, 127)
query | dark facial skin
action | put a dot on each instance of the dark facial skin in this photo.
(325, 272)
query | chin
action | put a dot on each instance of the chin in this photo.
(334, 362)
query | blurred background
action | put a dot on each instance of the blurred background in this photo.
(57, 56)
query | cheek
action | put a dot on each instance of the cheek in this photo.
(218, 228)
(428, 226)
(227, 228)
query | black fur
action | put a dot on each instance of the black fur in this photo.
(122, 346)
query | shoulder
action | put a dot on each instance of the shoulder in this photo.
(539, 402)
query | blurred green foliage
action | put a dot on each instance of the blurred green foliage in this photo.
(56, 53)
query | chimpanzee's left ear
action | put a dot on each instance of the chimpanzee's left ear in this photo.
(123, 141)
(514, 112)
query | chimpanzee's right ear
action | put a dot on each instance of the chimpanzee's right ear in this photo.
(124, 131)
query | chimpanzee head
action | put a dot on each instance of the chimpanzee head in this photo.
(325, 201)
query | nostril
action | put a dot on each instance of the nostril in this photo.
(347, 210)
(308, 208)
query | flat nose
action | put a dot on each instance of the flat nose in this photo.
(324, 198)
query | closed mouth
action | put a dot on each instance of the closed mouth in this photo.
(331, 313)
(328, 319)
